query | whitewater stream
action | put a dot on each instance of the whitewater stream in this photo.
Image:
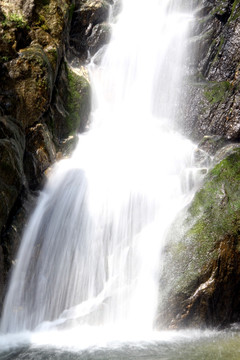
(85, 283)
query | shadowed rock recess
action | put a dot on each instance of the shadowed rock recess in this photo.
(44, 102)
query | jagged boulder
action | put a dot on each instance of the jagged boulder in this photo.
(100, 36)
(89, 27)
(200, 283)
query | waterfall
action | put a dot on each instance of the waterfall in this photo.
(91, 253)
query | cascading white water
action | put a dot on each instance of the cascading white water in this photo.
(91, 252)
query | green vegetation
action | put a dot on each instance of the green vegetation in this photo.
(71, 11)
(41, 23)
(213, 216)
(15, 19)
(217, 92)
(235, 11)
(77, 99)
(4, 59)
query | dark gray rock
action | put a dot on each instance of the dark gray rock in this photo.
(212, 92)
(87, 15)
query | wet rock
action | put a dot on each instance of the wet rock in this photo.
(87, 15)
(33, 36)
(40, 153)
(11, 237)
(2, 279)
(100, 36)
(32, 76)
(213, 89)
(71, 105)
(117, 8)
(12, 145)
(212, 143)
(200, 284)
(21, 8)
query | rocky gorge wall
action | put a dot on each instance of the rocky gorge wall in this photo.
(44, 103)
(200, 284)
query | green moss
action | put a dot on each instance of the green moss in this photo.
(16, 20)
(78, 96)
(218, 202)
(71, 11)
(41, 22)
(4, 59)
(219, 48)
(217, 92)
(213, 215)
(235, 13)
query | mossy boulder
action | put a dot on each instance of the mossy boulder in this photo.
(32, 77)
(78, 99)
(71, 105)
(200, 283)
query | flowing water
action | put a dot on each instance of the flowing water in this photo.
(85, 282)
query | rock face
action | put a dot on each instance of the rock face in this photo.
(43, 104)
(200, 285)
(213, 86)
(90, 30)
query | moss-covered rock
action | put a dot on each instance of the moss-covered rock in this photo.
(71, 104)
(32, 76)
(200, 284)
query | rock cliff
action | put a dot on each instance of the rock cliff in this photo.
(44, 101)
(200, 284)
(213, 83)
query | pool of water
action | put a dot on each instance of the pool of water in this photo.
(170, 345)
